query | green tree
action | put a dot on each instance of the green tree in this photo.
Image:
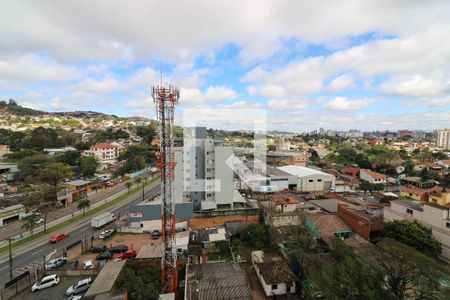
(83, 204)
(53, 174)
(29, 223)
(139, 283)
(30, 166)
(128, 184)
(439, 155)
(88, 165)
(258, 235)
(68, 157)
(405, 273)
(147, 133)
(138, 181)
(413, 234)
(19, 155)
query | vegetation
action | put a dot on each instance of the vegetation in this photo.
(370, 187)
(29, 223)
(258, 236)
(88, 165)
(139, 283)
(413, 234)
(84, 204)
(136, 157)
(147, 133)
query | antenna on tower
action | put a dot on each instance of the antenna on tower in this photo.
(161, 71)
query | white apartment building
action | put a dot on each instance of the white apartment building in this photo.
(106, 153)
(430, 215)
(202, 174)
(443, 139)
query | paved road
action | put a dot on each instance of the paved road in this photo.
(76, 233)
(15, 227)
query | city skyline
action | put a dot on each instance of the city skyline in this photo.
(366, 66)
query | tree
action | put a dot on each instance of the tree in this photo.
(369, 187)
(439, 155)
(19, 155)
(88, 165)
(84, 204)
(147, 133)
(139, 283)
(405, 273)
(68, 157)
(29, 223)
(313, 155)
(138, 181)
(258, 235)
(53, 175)
(128, 184)
(30, 166)
(413, 234)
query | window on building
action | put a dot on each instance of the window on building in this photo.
(409, 211)
(319, 180)
(274, 286)
(311, 180)
(447, 225)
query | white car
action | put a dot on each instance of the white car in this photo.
(106, 233)
(79, 287)
(55, 263)
(88, 264)
(75, 297)
(45, 282)
(40, 221)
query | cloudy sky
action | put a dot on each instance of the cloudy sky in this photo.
(332, 64)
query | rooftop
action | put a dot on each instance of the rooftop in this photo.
(106, 278)
(275, 272)
(328, 205)
(302, 171)
(410, 204)
(77, 182)
(220, 280)
(374, 174)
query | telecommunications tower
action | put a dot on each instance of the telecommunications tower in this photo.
(166, 97)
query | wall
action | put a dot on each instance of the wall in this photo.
(358, 224)
(212, 219)
(317, 184)
(281, 288)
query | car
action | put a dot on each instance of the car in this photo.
(58, 237)
(131, 253)
(106, 233)
(55, 263)
(88, 264)
(98, 249)
(45, 282)
(79, 287)
(75, 297)
(104, 255)
(40, 221)
(118, 249)
(73, 264)
(155, 234)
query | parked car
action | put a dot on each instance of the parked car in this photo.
(45, 282)
(131, 253)
(40, 221)
(73, 264)
(55, 263)
(106, 233)
(104, 255)
(118, 249)
(79, 287)
(75, 297)
(88, 264)
(58, 237)
(155, 234)
(97, 249)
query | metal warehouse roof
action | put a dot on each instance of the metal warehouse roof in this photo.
(302, 171)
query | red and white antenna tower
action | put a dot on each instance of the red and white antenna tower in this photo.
(166, 97)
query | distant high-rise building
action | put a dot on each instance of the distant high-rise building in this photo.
(443, 139)
(201, 173)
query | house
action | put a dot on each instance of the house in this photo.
(365, 221)
(372, 177)
(53, 151)
(210, 237)
(8, 172)
(431, 167)
(351, 171)
(280, 210)
(417, 182)
(310, 180)
(218, 280)
(106, 153)
(445, 163)
(441, 197)
(418, 193)
(431, 215)
(274, 274)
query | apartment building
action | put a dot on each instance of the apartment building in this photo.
(431, 215)
(443, 139)
(202, 174)
(107, 153)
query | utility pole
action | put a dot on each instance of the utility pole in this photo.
(10, 259)
(143, 192)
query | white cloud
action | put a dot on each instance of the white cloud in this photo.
(286, 104)
(415, 86)
(212, 93)
(268, 91)
(342, 103)
(341, 82)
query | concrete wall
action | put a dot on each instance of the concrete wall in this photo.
(224, 173)
(213, 219)
(315, 183)
(358, 224)
(281, 287)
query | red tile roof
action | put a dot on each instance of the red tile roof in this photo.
(104, 146)
(283, 199)
(375, 174)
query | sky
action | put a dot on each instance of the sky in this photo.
(353, 64)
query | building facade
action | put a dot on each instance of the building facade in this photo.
(202, 175)
(106, 153)
(443, 139)
(310, 180)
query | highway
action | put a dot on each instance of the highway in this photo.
(77, 232)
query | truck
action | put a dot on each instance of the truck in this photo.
(103, 219)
